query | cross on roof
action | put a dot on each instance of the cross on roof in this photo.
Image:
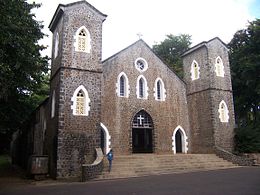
(139, 35)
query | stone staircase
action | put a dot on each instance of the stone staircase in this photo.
(137, 165)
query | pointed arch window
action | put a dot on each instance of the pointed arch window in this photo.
(223, 112)
(159, 90)
(141, 88)
(219, 67)
(122, 86)
(195, 70)
(82, 38)
(56, 46)
(80, 101)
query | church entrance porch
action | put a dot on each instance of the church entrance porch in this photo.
(142, 133)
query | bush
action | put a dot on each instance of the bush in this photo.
(247, 138)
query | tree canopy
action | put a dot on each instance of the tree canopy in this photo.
(23, 71)
(170, 50)
(245, 70)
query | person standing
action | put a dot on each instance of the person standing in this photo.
(110, 157)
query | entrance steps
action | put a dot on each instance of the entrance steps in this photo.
(136, 165)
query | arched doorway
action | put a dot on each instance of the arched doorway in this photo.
(178, 142)
(142, 133)
(104, 139)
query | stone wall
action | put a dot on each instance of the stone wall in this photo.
(72, 137)
(205, 95)
(118, 112)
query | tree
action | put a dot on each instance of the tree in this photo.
(245, 70)
(23, 70)
(170, 50)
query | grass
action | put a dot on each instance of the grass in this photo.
(4, 164)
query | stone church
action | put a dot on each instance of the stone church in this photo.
(131, 102)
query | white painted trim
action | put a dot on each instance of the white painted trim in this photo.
(226, 117)
(163, 91)
(107, 138)
(192, 71)
(86, 99)
(127, 87)
(145, 64)
(88, 45)
(56, 45)
(221, 66)
(184, 139)
(145, 87)
(53, 102)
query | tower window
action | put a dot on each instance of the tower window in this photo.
(80, 101)
(82, 37)
(219, 67)
(122, 87)
(195, 70)
(223, 112)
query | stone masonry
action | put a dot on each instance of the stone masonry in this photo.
(186, 121)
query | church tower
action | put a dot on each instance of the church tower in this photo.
(75, 97)
(209, 95)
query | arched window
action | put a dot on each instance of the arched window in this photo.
(82, 37)
(195, 70)
(53, 104)
(219, 67)
(122, 87)
(141, 88)
(223, 112)
(159, 90)
(80, 101)
(56, 47)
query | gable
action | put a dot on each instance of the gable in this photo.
(126, 58)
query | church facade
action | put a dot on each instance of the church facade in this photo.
(132, 101)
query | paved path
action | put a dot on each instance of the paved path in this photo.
(245, 180)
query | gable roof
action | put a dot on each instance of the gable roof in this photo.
(202, 44)
(60, 10)
(146, 45)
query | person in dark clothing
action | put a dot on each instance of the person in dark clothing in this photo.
(110, 157)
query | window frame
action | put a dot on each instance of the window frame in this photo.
(145, 87)
(195, 70)
(126, 85)
(75, 100)
(219, 67)
(162, 90)
(87, 41)
(223, 112)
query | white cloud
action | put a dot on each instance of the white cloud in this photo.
(203, 19)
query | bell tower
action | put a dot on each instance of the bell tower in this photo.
(209, 95)
(76, 72)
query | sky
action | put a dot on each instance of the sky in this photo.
(154, 19)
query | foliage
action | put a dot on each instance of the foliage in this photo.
(170, 50)
(247, 138)
(23, 71)
(245, 69)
